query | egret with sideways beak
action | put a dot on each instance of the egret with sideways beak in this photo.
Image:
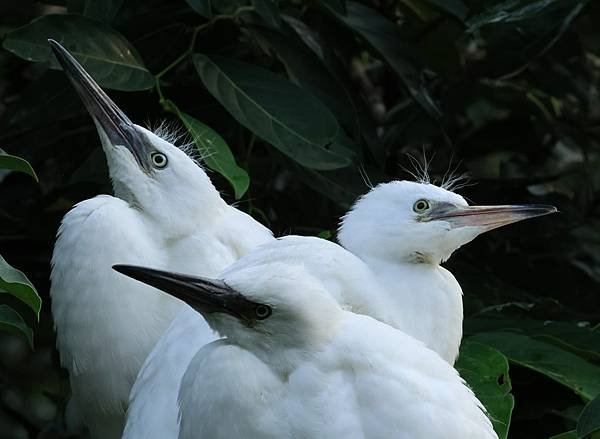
(398, 234)
(294, 364)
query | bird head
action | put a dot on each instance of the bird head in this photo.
(265, 308)
(146, 170)
(422, 223)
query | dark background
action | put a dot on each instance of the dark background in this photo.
(506, 91)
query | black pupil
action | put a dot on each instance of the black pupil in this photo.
(262, 311)
(159, 159)
(421, 205)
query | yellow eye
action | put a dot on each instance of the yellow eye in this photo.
(421, 206)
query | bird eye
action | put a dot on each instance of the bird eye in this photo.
(159, 160)
(421, 206)
(262, 311)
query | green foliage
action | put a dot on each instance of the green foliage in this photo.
(104, 53)
(14, 282)
(560, 365)
(11, 321)
(275, 110)
(589, 420)
(214, 151)
(309, 103)
(486, 371)
(13, 163)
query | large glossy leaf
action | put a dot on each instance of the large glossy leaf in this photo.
(306, 69)
(202, 7)
(15, 163)
(11, 321)
(14, 282)
(276, 110)
(589, 420)
(556, 363)
(486, 371)
(573, 336)
(104, 53)
(214, 151)
(385, 38)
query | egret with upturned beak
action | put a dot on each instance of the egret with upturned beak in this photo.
(165, 213)
(294, 364)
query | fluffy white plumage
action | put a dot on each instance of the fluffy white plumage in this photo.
(106, 324)
(396, 251)
(313, 370)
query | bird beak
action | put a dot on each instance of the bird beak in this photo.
(207, 296)
(488, 217)
(107, 116)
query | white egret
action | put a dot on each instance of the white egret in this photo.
(403, 231)
(399, 233)
(294, 364)
(166, 213)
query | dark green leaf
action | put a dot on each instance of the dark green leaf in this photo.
(103, 10)
(14, 163)
(486, 371)
(214, 151)
(589, 420)
(105, 54)
(14, 282)
(202, 7)
(454, 7)
(566, 435)
(338, 6)
(11, 321)
(269, 11)
(306, 69)
(579, 339)
(385, 38)
(555, 363)
(276, 110)
(511, 11)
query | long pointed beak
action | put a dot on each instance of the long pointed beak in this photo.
(203, 294)
(107, 116)
(489, 217)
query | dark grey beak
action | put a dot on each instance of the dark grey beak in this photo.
(489, 217)
(205, 295)
(107, 116)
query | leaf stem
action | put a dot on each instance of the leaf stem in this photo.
(190, 48)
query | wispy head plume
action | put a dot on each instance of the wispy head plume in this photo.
(420, 170)
(177, 135)
(365, 176)
(454, 180)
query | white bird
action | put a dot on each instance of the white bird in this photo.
(294, 364)
(166, 213)
(399, 233)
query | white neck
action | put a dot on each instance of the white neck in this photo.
(425, 301)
